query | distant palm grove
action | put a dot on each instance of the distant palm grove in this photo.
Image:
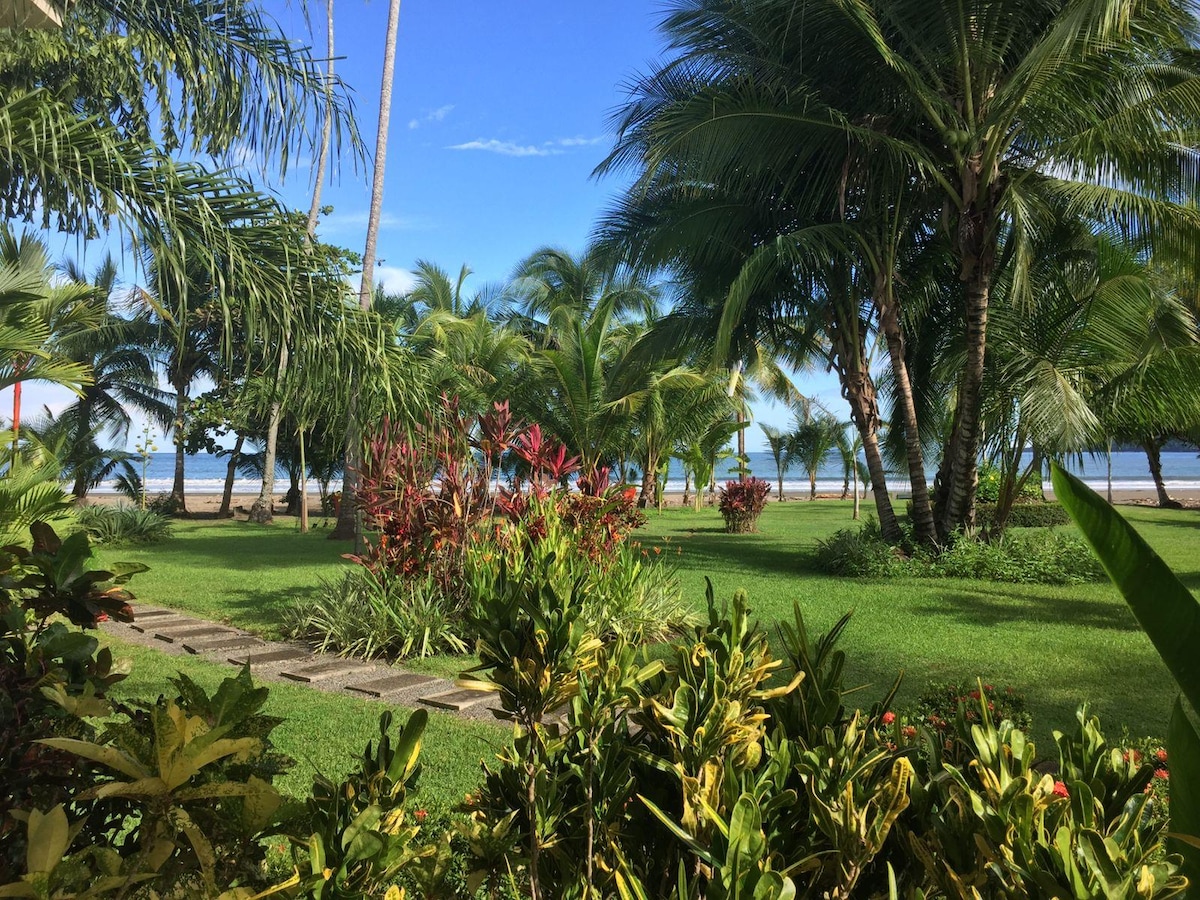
(982, 217)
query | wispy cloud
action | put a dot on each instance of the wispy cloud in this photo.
(556, 147)
(577, 141)
(507, 148)
(438, 115)
(356, 220)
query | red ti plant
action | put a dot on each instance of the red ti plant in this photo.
(547, 459)
(422, 494)
(498, 431)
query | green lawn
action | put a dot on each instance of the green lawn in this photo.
(1061, 645)
(324, 732)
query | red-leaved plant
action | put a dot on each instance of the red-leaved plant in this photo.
(742, 503)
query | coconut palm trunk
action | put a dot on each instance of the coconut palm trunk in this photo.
(859, 389)
(924, 528)
(263, 509)
(178, 498)
(347, 528)
(1153, 448)
(230, 473)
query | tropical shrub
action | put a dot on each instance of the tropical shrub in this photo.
(1044, 556)
(742, 502)
(858, 553)
(442, 532)
(1031, 514)
(1041, 557)
(123, 524)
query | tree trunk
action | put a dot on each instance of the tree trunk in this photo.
(178, 500)
(230, 473)
(779, 475)
(859, 390)
(924, 529)
(956, 489)
(347, 528)
(262, 511)
(854, 475)
(303, 486)
(647, 491)
(292, 497)
(1153, 448)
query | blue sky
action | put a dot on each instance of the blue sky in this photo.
(501, 111)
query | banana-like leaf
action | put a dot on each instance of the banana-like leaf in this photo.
(1166, 610)
(1184, 745)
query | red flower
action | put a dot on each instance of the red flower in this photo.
(1161, 755)
(889, 717)
(420, 815)
(909, 731)
(1060, 790)
(1162, 773)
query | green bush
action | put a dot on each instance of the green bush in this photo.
(370, 615)
(1032, 514)
(1043, 556)
(1036, 557)
(858, 553)
(124, 524)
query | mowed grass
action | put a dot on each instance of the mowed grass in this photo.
(1062, 646)
(325, 732)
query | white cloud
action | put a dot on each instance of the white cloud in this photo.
(438, 115)
(578, 141)
(394, 279)
(506, 148)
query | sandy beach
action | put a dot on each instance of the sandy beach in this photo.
(206, 505)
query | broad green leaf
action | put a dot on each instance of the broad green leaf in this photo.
(49, 837)
(106, 756)
(1166, 610)
(1183, 745)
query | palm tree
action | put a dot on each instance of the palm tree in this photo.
(777, 443)
(84, 122)
(985, 113)
(347, 527)
(849, 445)
(811, 442)
(263, 507)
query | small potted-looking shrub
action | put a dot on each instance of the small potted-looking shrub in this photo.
(742, 503)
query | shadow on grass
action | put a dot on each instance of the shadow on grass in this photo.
(990, 606)
(744, 552)
(250, 549)
(264, 611)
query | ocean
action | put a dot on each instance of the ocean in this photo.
(205, 474)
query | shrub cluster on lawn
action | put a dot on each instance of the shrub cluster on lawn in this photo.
(124, 524)
(1031, 514)
(444, 535)
(742, 502)
(1042, 556)
(715, 768)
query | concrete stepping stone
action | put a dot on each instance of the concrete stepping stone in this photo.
(390, 684)
(286, 654)
(163, 623)
(200, 631)
(153, 613)
(324, 670)
(457, 700)
(232, 641)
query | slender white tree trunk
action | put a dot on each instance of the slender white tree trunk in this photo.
(347, 525)
(264, 506)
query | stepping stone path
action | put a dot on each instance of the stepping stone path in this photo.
(173, 632)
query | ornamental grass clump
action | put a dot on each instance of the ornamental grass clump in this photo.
(742, 502)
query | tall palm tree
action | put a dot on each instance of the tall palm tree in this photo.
(347, 527)
(987, 110)
(810, 444)
(777, 443)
